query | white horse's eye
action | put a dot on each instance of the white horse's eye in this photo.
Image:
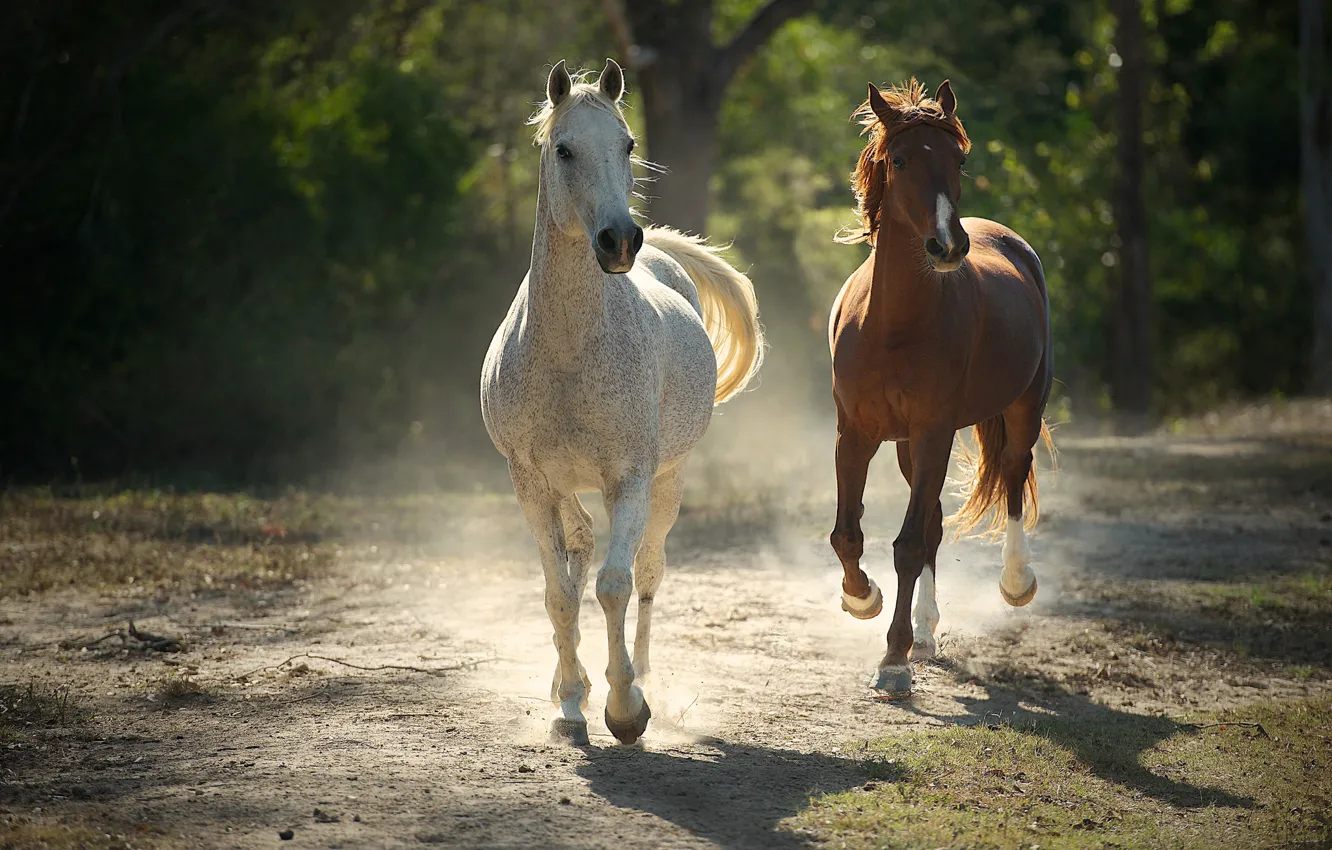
(562, 152)
(631, 146)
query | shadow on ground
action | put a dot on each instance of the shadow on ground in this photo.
(736, 798)
(1110, 742)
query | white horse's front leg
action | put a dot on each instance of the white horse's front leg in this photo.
(650, 566)
(627, 713)
(542, 509)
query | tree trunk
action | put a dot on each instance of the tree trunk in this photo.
(1131, 382)
(681, 103)
(684, 77)
(1316, 180)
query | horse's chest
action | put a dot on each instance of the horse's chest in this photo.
(882, 393)
(571, 420)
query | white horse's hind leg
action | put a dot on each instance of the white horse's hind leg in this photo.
(627, 712)
(579, 543)
(650, 565)
(542, 510)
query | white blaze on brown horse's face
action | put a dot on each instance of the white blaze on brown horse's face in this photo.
(586, 170)
(924, 174)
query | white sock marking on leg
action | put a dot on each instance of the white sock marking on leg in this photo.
(927, 609)
(1018, 575)
(861, 605)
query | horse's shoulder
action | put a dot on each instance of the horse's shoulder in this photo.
(664, 269)
(991, 236)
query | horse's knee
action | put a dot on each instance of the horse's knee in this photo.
(909, 554)
(614, 587)
(848, 544)
(562, 610)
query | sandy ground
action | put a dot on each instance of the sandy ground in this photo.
(761, 695)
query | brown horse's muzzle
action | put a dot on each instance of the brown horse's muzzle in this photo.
(946, 258)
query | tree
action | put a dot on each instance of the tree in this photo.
(683, 75)
(1131, 369)
(1316, 177)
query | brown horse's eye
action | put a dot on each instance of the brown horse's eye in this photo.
(898, 162)
(964, 160)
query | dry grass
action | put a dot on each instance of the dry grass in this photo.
(1286, 619)
(23, 707)
(1137, 783)
(175, 691)
(26, 833)
(139, 538)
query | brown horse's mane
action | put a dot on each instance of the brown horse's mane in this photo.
(870, 179)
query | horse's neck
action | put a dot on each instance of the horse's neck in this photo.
(565, 293)
(904, 292)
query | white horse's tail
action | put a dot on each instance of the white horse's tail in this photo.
(730, 308)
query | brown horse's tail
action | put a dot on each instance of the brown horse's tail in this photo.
(984, 504)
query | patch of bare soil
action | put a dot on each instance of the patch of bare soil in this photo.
(403, 701)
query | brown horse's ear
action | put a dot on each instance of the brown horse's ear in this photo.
(558, 85)
(946, 98)
(612, 81)
(886, 113)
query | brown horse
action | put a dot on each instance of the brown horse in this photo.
(945, 326)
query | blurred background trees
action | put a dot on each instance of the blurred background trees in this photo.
(243, 241)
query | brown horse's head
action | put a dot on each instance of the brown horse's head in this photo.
(911, 169)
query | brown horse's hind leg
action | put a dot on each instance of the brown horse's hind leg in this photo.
(861, 598)
(1022, 428)
(929, 466)
(926, 612)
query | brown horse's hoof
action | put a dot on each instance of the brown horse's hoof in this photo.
(1019, 601)
(629, 731)
(864, 609)
(893, 679)
(566, 731)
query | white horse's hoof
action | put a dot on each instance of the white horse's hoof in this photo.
(566, 731)
(864, 609)
(629, 731)
(893, 679)
(924, 649)
(1022, 598)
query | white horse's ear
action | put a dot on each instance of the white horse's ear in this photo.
(612, 81)
(558, 85)
(946, 98)
(886, 113)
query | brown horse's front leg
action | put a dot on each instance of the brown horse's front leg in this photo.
(929, 466)
(861, 598)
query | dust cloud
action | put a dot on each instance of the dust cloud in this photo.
(751, 590)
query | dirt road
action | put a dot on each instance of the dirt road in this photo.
(1154, 555)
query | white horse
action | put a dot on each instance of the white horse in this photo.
(603, 376)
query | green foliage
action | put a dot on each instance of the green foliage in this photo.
(1036, 85)
(250, 241)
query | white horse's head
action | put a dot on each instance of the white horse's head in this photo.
(586, 170)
